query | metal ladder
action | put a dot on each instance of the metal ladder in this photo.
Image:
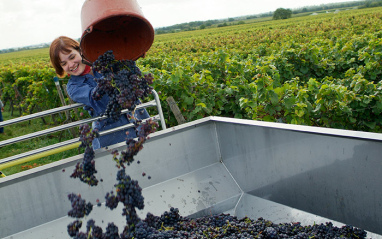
(66, 145)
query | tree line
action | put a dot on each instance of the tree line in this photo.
(196, 25)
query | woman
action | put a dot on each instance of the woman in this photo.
(66, 59)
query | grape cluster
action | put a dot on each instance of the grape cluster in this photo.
(144, 129)
(74, 227)
(219, 220)
(142, 230)
(79, 206)
(85, 170)
(129, 193)
(170, 218)
(122, 81)
(102, 63)
(93, 231)
(135, 145)
(111, 231)
(104, 87)
(111, 200)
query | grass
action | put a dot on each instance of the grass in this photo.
(27, 127)
(33, 54)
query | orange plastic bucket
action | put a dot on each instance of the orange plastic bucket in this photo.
(116, 25)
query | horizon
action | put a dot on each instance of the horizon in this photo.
(147, 8)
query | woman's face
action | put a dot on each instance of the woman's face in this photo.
(72, 63)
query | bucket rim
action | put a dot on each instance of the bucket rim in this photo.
(89, 29)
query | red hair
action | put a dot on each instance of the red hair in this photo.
(61, 44)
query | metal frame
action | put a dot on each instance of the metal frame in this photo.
(281, 172)
(158, 117)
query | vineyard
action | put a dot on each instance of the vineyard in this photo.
(323, 70)
(318, 70)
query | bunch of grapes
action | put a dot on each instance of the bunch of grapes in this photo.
(122, 81)
(144, 129)
(124, 84)
(74, 227)
(135, 145)
(102, 64)
(92, 231)
(111, 231)
(170, 218)
(111, 200)
(104, 87)
(129, 193)
(79, 206)
(85, 170)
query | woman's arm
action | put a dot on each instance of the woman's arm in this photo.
(81, 92)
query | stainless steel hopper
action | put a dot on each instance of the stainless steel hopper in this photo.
(283, 173)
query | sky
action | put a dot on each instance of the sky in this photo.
(31, 22)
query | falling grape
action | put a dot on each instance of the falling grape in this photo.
(122, 81)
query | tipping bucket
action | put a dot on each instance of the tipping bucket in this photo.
(116, 25)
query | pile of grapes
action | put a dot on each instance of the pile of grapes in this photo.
(124, 85)
(171, 225)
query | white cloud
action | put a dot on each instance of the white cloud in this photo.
(28, 22)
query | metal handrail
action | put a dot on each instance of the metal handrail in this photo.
(155, 102)
(40, 114)
(74, 142)
(63, 127)
(79, 105)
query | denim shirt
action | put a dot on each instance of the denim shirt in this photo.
(80, 89)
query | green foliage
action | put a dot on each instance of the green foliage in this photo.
(322, 70)
(305, 71)
(282, 13)
(29, 87)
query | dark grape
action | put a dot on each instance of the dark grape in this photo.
(79, 206)
(111, 201)
(85, 170)
(81, 235)
(171, 225)
(112, 231)
(169, 218)
(122, 82)
(135, 145)
(74, 227)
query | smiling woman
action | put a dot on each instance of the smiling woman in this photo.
(72, 63)
(64, 55)
(66, 59)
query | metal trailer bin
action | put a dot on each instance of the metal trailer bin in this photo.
(281, 172)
